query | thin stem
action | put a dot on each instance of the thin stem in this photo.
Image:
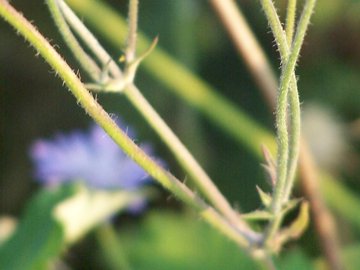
(295, 103)
(290, 21)
(94, 109)
(186, 160)
(281, 112)
(284, 183)
(133, 22)
(111, 247)
(86, 61)
(294, 138)
(248, 46)
(89, 40)
(276, 28)
(224, 114)
(199, 176)
(295, 119)
(179, 80)
(321, 215)
(288, 78)
(266, 263)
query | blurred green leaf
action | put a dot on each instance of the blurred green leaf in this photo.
(341, 199)
(38, 238)
(59, 217)
(174, 241)
(295, 260)
(350, 257)
(297, 227)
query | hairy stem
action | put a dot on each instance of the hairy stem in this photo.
(86, 61)
(201, 179)
(290, 21)
(307, 171)
(89, 40)
(179, 80)
(186, 160)
(287, 159)
(238, 125)
(87, 101)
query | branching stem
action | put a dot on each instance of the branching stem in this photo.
(287, 158)
(94, 109)
(186, 160)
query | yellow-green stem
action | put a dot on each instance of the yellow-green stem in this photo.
(133, 21)
(179, 80)
(290, 20)
(87, 101)
(286, 168)
(195, 171)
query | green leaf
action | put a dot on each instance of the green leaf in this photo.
(295, 260)
(177, 242)
(297, 227)
(257, 215)
(349, 255)
(264, 197)
(290, 205)
(269, 166)
(38, 238)
(58, 217)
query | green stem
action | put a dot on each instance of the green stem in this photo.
(201, 179)
(86, 61)
(285, 187)
(294, 139)
(266, 263)
(180, 81)
(286, 169)
(87, 101)
(112, 249)
(288, 75)
(89, 40)
(282, 134)
(294, 99)
(113, 29)
(197, 174)
(133, 22)
(290, 21)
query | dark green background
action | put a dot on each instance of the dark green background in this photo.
(33, 103)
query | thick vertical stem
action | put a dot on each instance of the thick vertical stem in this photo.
(284, 183)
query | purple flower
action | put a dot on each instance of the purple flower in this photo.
(92, 158)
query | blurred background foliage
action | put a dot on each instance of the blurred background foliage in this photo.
(34, 104)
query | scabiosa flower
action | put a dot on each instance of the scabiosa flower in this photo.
(92, 158)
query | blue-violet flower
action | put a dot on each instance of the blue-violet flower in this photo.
(92, 158)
